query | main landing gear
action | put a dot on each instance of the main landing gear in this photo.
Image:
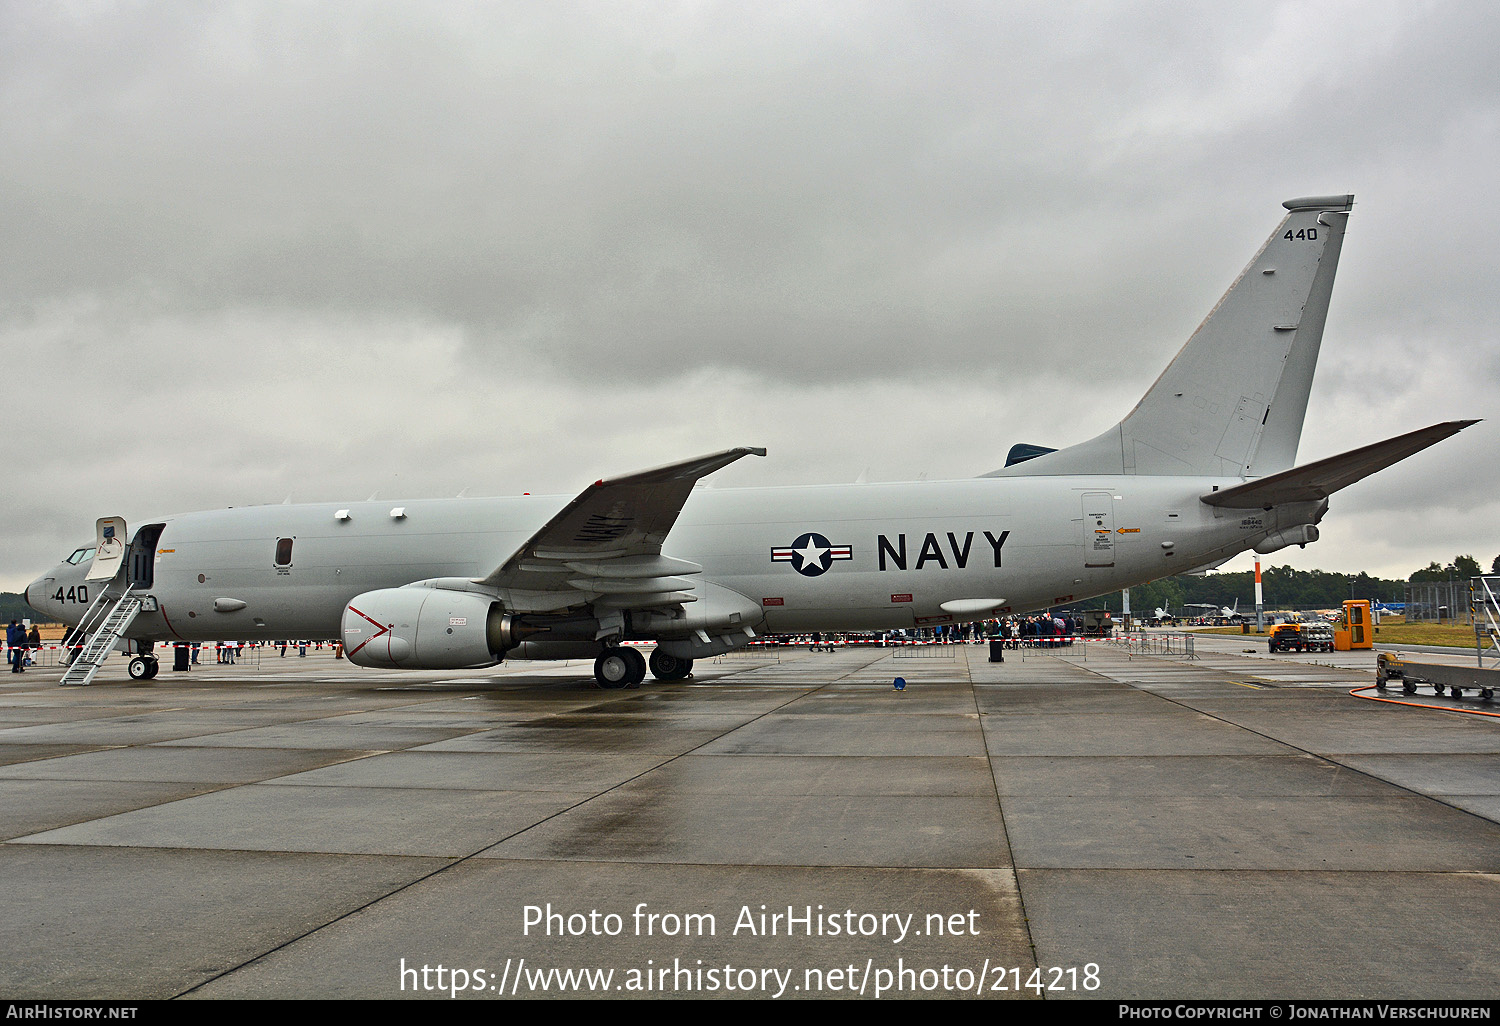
(670, 667)
(621, 667)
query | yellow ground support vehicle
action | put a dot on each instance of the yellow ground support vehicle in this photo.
(1286, 637)
(1301, 637)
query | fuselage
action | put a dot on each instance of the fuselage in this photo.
(871, 556)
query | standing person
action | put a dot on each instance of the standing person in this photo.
(34, 645)
(15, 641)
(72, 644)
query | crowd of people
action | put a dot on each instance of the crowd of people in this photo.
(1039, 631)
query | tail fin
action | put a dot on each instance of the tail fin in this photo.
(1231, 403)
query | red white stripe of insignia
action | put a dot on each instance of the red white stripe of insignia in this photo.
(383, 629)
(836, 552)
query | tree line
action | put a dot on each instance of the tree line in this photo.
(1283, 587)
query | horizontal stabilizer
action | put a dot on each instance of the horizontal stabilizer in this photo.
(1316, 481)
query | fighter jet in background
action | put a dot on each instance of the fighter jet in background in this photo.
(1210, 609)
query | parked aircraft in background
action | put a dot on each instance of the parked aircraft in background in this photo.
(1201, 469)
(1210, 609)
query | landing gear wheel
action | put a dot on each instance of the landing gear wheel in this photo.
(619, 668)
(143, 668)
(670, 667)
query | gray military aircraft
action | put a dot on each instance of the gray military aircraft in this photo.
(1201, 469)
(1212, 610)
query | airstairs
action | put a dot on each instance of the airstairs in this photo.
(1484, 610)
(102, 626)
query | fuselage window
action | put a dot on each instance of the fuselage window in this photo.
(284, 552)
(79, 555)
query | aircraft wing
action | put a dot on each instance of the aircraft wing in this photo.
(605, 546)
(1316, 481)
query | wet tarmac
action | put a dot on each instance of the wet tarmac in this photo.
(1072, 823)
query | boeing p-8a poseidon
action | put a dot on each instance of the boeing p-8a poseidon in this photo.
(1200, 470)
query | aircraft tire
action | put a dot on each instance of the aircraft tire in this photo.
(619, 668)
(141, 668)
(670, 667)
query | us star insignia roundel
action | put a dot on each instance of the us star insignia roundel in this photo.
(811, 554)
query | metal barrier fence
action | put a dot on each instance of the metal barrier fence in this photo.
(1433, 601)
(764, 653)
(52, 655)
(933, 651)
(1075, 647)
(46, 655)
(1141, 643)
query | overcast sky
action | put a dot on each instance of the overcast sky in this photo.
(256, 250)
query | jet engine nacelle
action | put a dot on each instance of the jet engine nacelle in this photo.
(1306, 534)
(418, 628)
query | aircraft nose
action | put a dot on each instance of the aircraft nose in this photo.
(39, 602)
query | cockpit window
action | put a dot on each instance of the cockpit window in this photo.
(79, 555)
